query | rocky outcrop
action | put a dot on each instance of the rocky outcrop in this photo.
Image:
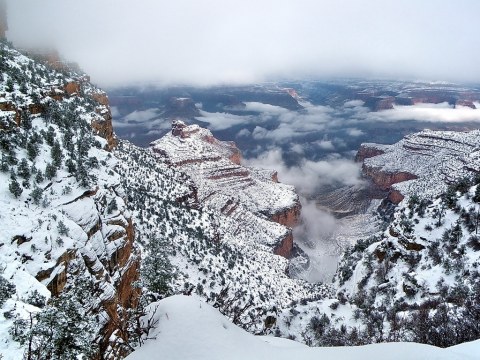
(181, 108)
(72, 88)
(366, 152)
(285, 246)
(423, 163)
(254, 198)
(102, 125)
(104, 128)
(385, 180)
(288, 217)
(380, 103)
(464, 102)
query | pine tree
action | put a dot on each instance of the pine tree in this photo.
(50, 136)
(62, 228)
(7, 289)
(23, 169)
(4, 164)
(36, 195)
(14, 186)
(56, 154)
(32, 150)
(64, 330)
(26, 121)
(50, 171)
(476, 197)
(157, 271)
(82, 175)
(39, 177)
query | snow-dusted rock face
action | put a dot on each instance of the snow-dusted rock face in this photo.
(262, 207)
(423, 163)
(63, 210)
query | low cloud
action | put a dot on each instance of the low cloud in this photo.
(314, 236)
(297, 148)
(243, 133)
(223, 121)
(309, 176)
(140, 116)
(315, 232)
(354, 132)
(427, 112)
(325, 144)
(291, 124)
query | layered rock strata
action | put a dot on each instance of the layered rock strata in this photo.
(264, 209)
(423, 163)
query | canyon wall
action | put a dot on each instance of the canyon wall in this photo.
(421, 164)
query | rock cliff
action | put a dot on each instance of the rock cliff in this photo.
(423, 163)
(264, 208)
(66, 221)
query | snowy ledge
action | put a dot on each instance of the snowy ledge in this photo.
(188, 328)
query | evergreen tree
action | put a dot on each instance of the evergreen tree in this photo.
(50, 136)
(36, 195)
(157, 271)
(7, 289)
(26, 121)
(64, 330)
(82, 175)
(39, 177)
(68, 140)
(476, 197)
(9, 85)
(32, 150)
(4, 164)
(50, 171)
(62, 228)
(14, 186)
(24, 169)
(56, 154)
(71, 168)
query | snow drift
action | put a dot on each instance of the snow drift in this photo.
(188, 328)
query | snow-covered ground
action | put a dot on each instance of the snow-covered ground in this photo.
(188, 328)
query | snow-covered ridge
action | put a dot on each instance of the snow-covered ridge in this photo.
(423, 163)
(243, 194)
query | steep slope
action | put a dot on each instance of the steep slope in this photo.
(418, 279)
(425, 266)
(241, 277)
(264, 209)
(64, 221)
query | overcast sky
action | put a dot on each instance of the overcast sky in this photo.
(205, 42)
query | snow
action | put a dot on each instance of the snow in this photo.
(436, 157)
(247, 195)
(188, 328)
